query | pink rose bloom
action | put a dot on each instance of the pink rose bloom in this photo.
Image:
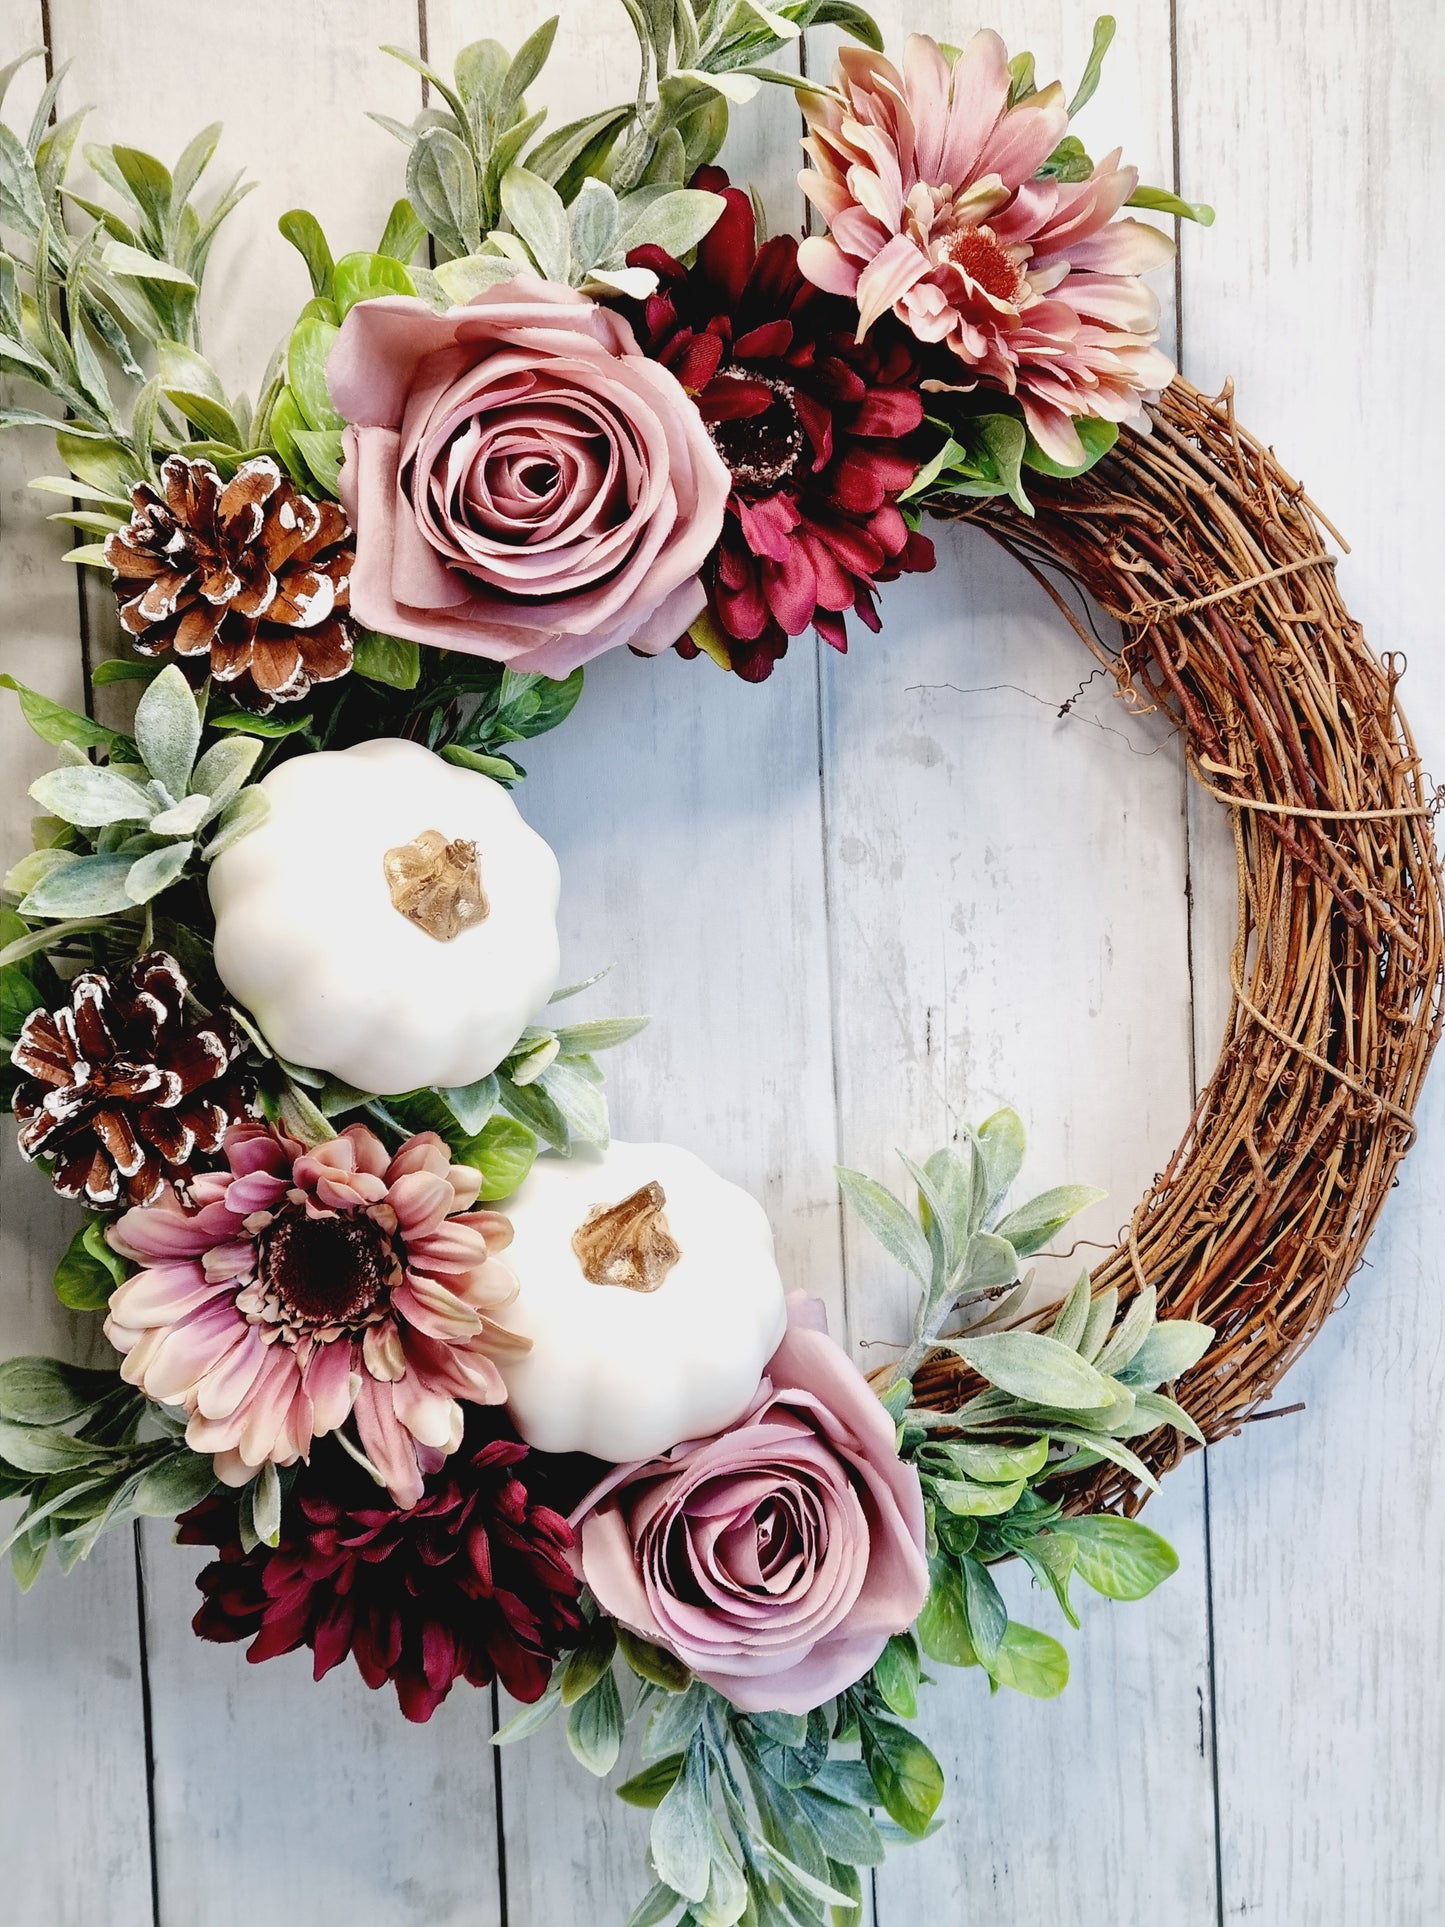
(524, 483)
(298, 1288)
(777, 1559)
(928, 181)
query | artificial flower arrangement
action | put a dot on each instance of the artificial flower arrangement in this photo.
(280, 974)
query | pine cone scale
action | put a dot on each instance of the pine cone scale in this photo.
(232, 570)
(123, 1086)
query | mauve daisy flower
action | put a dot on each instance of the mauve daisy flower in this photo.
(812, 424)
(301, 1287)
(930, 185)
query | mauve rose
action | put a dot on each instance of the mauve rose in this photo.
(777, 1559)
(524, 483)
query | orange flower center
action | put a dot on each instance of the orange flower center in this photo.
(983, 260)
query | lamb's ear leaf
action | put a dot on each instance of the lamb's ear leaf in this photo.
(168, 730)
(157, 870)
(535, 210)
(1030, 1228)
(890, 1222)
(245, 811)
(1034, 1368)
(92, 796)
(224, 768)
(93, 887)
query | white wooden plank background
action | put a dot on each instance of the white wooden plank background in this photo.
(862, 901)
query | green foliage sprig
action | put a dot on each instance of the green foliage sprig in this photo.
(85, 1452)
(498, 197)
(547, 1091)
(770, 1818)
(83, 314)
(1053, 1403)
(134, 823)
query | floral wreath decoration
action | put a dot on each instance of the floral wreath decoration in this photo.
(456, 1410)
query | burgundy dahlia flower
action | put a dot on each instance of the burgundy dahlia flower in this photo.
(810, 422)
(474, 1582)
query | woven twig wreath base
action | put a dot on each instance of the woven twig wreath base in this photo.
(1216, 567)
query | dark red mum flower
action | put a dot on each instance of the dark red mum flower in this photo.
(473, 1582)
(809, 419)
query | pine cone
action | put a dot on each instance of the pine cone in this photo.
(250, 572)
(125, 1087)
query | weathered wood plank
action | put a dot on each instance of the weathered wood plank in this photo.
(1316, 132)
(72, 1728)
(276, 1798)
(684, 809)
(1008, 890)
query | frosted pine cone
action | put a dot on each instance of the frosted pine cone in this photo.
(250, 574)
(124, 1087)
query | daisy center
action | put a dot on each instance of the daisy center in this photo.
(761, 449)
(327, 1271)
(981, 257)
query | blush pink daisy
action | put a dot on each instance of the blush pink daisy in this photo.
(930, 185)
(299, 1288)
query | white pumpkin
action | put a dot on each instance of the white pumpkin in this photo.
(392, 921)
(649, 1324)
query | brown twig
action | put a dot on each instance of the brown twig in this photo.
(1213, 561)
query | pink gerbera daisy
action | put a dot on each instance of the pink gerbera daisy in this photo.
(300, 1287)
(931, 188)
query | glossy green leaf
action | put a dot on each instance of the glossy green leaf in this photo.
(392, 660)
(649, 1787)
(503, 1151)
(1162, 200)
(943, 1624)
(1104, 28)
(1120, 1557)
(304, 232)
(306, 355)
(53, 722)
(1030, 1662)
(82, 1281)
(366, 277)
(908, 1778)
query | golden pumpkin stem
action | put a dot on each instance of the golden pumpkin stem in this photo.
(627, 1244)
(437, 884)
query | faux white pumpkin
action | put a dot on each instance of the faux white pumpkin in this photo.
(676, 1348)
(368, 937)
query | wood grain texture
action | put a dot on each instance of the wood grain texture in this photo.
(1316, 130)
(274, 1798)
(871, 898)
(684, 809)
(72, 1727)
(1009, 924)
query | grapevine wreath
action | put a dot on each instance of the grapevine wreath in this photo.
(452, 1384)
